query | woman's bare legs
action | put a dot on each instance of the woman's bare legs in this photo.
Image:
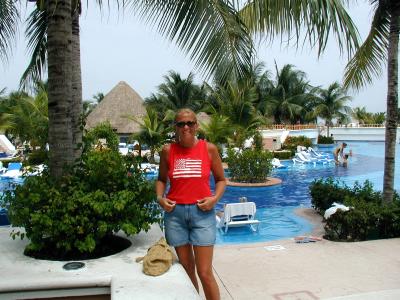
(203, 258)
(186, 258)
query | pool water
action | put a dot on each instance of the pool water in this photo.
(276, 204)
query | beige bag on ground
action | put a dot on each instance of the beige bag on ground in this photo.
(158, 259)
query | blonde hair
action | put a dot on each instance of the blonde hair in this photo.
(183, 111)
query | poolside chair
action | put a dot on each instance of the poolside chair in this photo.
(13, 170)
(276, 163)
(317, 154)
(297, 161)
(300, 156)
(239, 214)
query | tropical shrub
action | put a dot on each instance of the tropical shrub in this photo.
(292, 142)
(325, 139)
(37, 157)
(71, 217)
(284, 154)
(367, 218)
(249, 165)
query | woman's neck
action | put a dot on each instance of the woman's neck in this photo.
(188, 143)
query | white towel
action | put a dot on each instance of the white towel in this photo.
(239, 209)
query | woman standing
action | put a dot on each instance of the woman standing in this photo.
(339, 152)
(189, 216)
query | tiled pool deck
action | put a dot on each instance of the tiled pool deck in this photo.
(320, 270)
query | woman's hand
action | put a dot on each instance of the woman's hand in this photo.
(207, 203)
(166, 204)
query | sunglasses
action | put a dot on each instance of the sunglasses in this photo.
(188, 123)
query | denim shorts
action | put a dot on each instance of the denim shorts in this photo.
(187, 224)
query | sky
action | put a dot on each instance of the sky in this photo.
(117, 47)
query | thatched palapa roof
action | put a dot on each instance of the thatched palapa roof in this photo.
(121, 101)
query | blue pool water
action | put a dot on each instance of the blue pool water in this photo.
(276, 204)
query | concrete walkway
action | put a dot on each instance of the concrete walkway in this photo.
(320, 270)
(283, 270)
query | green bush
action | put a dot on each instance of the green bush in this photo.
(367, 218)
(325, 139)
(37, 157)
(102, 195)
(250, 165)
(365, 221)
(326, 191)
(292, 142)
(284, 154)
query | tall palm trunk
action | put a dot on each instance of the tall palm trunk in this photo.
(59, 72)
(76, 103)
(392, 104)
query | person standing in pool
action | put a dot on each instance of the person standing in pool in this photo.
(189, 215)
(339, 152)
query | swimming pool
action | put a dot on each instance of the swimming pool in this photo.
(276, 204)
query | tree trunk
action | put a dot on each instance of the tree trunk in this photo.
(59, 84)
(392, 104)
(76, 102)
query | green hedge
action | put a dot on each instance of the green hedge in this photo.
(367, 218)
(285, 154)
(325, 139)
(292, 142)
(249, 165)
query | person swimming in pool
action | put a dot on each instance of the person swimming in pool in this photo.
(345, 159)
(339, 152)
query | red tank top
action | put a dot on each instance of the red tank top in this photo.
(189, 173)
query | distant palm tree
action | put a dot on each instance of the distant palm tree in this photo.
(26, 117)
(236, 101)
(176, 93)
(152, 132)
(331, 104)
(381, 47)
(360, 114)
(287, 95)
(218, 130)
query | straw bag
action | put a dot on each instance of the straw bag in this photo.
(158, 259)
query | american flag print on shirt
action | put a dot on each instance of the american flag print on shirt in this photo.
(187, 168)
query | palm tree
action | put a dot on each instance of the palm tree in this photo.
(152, 132)
(287, 95)
(379, 48)
(176, 93)
(236, 100)
(26, 117)
(330, 104)
(360, 114)
(218, 130)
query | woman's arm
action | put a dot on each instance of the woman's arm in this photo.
(161, 182)
(219, 177)
(217, 170)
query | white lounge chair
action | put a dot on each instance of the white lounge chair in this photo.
(239, 214)
(317, 154)
(276, 163)
(300, 156)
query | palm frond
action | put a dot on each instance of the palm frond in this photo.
(367, 62)
(9, 19)
(36, 32)
(210, 31)
(293, 18)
